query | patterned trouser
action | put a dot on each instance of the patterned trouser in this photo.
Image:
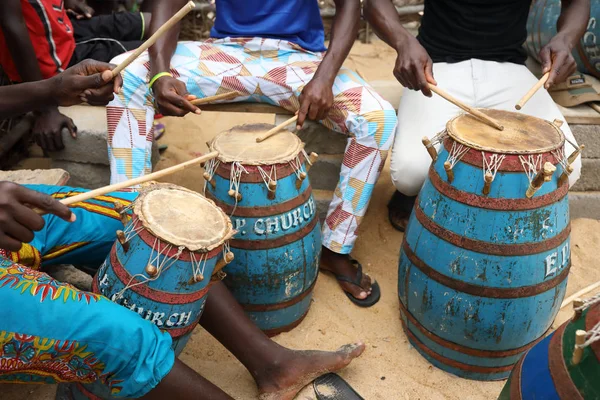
(268, 71)
(51, 332)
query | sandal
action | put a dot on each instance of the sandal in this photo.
(399, 210)
(332, 387)
(375, 295)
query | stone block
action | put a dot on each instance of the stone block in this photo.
(589, 135)
(317, 137)
(325, 173)
(584, 205)
(322, 199)
(70, 274)
(590, 176)
(36, 176)
(85, 175)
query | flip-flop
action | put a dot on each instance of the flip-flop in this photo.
(371, 299)
(333, 387)
(159, 130)
(393, 218)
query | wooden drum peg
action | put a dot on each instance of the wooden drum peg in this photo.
(578, 351)
(151, 270)
(272, 188)
(235, 194)
(223, 262)
(312, 159)
(557, 123)
(487, 183)
(123, 240)
(300, 180)
(575, 154)
(545, 175)
(430, 149)
(121, 210)
(218, 277)
(196, 278)
(565, 175)
(449, 172)
(212, 182)
(577, 303)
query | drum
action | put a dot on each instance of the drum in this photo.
(265, 189)
(564, 365)
(173, 246)
(541, 27)
(485, 257)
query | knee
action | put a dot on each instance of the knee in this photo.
(376, 128)
(408, 178)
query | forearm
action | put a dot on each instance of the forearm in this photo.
(385, 21)
(343, 34)
(162, 51)
(573, 20)
(21, 98)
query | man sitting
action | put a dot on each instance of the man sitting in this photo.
(51, 332)
(271, 52)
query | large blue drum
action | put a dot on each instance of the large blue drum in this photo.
(162, 265)
(541, 27)
(265, 189)
(485, 258)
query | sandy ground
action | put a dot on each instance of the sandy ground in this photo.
(389, 369)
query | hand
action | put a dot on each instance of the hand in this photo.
(557, 58)
(316, 100)
(172, 97)
(48, 126)
(89, 81)
(414, 68)
(18, 221)
(79, 9)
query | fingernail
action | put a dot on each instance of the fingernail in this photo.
(73, 217)
(298, 127)
(198, 111)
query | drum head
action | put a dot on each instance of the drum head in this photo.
(182, 217)
(239, 144)
(522, 133)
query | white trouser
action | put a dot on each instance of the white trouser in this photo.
(483, 84)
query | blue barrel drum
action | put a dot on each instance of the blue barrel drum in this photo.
(541, 27)
(265, 189)
(484, 262)
(162, 265)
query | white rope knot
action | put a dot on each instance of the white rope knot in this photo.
(531, 165)
(132, 230)
(587, 303)
(210, 168)
(439, 138)
(297, 166)
(234, 180)
(198, 266)
(456, 153)
(492, 165)
(591, 337)
(271, 176)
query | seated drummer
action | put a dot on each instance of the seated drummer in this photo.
(51, 332)
(272, 52)
(473, 50)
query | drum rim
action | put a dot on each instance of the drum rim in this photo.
(450, 128)
(229, 232)
(292, 154)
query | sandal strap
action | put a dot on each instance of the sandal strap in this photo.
(358, 278)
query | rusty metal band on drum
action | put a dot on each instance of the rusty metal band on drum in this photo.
(253, 175)
(491, 203)
(563, 384)
(511, 162)
(286, 328)
(463, 349)
(274, 243)
(484, 291)
(262, 211)
(521, 249)
(279, 306)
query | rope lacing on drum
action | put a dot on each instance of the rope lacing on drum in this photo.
(456, 153)
(587, 303)
(234, 180)
(297, 166)
(160, 267)
(439, 138)
(272, 176)
(198, 266)
(531, 165)
(591, 336)
(132, 230)
(210, 168)
(559, 154)
(492, 165)
(306, 157)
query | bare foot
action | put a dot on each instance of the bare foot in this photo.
(297, 369)
(341, 264)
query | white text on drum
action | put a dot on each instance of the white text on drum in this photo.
(284, 222)
(174, 320)
(551, 261)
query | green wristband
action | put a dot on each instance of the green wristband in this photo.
(157, 76)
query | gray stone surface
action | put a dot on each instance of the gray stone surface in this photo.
(70, 274)
(590, 176)
(84, 175)
(589, 135)
(322, 140)
(325, 173)
(36, 176)
(584, 205)
(322, 199)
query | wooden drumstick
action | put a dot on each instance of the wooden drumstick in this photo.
(210, 99)
(277, 129)
(135, 181)
(532, 91)
(152, 39)
(473, 111)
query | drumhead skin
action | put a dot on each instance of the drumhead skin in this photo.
(522, 134)
(238, 144)
(183, 217)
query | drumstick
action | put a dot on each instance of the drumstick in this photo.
(481, 116)
(135, 181)
(532, 91)
(152, 39)
(210, 99)
(277, 129)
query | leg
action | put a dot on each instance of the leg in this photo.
(280, 373)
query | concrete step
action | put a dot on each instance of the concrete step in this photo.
(584, 204)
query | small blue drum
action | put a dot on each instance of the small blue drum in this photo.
(485, 258)
(265, 189)
(162, 266)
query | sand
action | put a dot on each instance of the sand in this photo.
(390, 369)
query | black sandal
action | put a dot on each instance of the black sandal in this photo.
(333, 387)
(371, 299)
(399, 208)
